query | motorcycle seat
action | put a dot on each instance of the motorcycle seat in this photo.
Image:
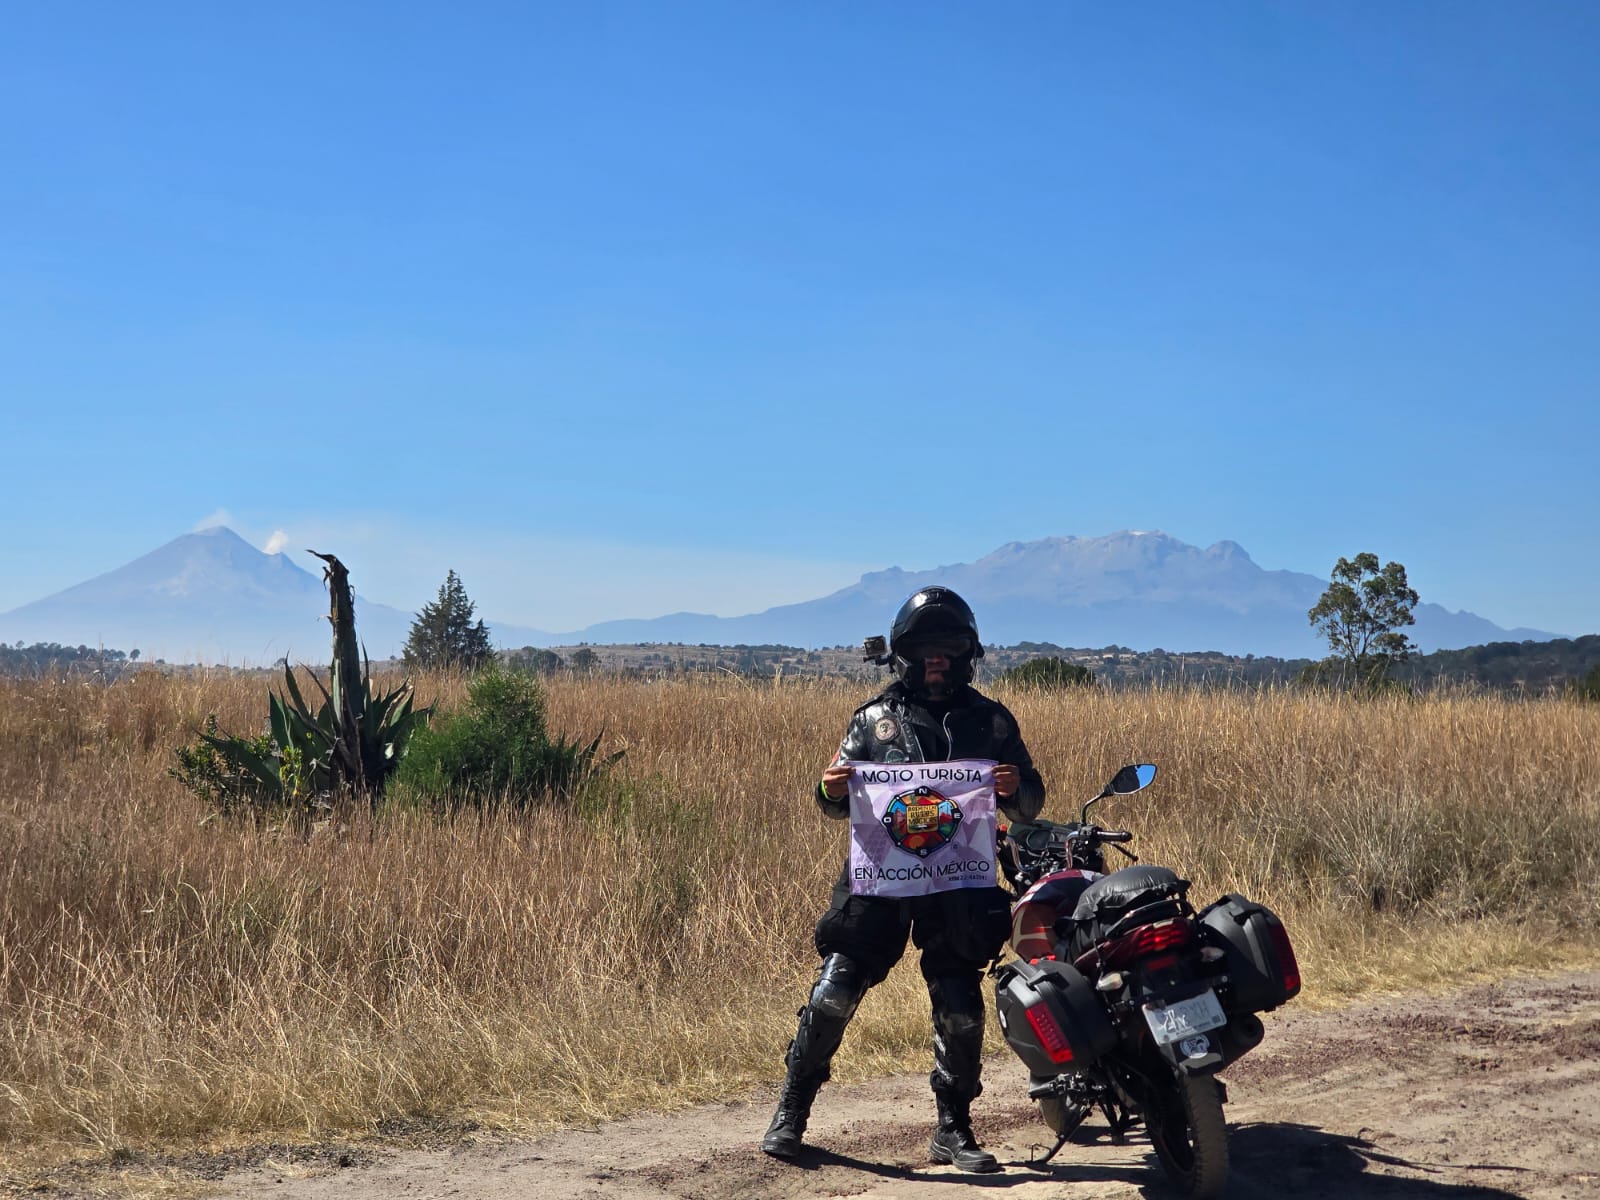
(1110, 896)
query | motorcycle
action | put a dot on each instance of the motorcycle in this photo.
(1123, 998)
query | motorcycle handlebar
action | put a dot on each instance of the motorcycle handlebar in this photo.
(1093, 833)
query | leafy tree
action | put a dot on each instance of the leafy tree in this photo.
(535, 661)
(1361, 614)
(1049, 673)
(584, 660)
(444, 633)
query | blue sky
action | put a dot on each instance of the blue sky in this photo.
(618, 309)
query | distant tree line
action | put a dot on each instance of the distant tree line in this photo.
(535, 661)
(1536, 668)
(1511, 666)
(50, 659)
(1049, 674)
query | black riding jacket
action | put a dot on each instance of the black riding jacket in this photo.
(895, 726)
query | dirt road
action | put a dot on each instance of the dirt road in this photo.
(1484, 1092)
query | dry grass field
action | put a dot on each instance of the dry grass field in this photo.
(168, 979)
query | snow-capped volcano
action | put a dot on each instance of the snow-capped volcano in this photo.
(208, 596)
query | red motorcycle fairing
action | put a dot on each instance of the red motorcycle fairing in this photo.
(1033, 919)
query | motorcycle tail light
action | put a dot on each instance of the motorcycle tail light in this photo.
(1049, 1033)
(1288, 965)
(1163, 935)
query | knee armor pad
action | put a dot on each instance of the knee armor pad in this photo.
(959, 1027)
(957, 1036)
(841, 982)
(957, 1003)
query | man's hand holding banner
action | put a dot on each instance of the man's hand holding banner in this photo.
(917, 828)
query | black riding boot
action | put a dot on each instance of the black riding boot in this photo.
(953, 1141)
(957, 1064)
(839, 988)
(789, 1122)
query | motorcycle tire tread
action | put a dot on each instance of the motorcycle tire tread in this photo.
(1205, 1138)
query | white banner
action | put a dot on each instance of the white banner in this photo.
(917, 828)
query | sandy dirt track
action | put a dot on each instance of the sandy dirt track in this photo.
(1487, 1091)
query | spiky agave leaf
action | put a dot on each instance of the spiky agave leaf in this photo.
(300, 706)
(407, 720)
(279, 722)
(305, 730)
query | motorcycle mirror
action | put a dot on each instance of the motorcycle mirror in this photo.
(1132, 778)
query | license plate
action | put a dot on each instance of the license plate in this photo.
(1185, 1018)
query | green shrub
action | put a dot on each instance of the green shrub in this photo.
(1048, 674)
(496, 751)
(1587, 688)
(222, 779)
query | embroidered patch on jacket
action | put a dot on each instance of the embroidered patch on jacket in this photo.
(886, 730)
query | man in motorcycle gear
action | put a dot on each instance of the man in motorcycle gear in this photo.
(930, 713)
(934, 616)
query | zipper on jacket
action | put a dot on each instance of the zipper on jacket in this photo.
(910, 727)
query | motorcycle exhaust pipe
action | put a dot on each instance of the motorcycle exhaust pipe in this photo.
(1240, 1036)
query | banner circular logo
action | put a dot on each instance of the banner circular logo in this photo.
(921, 821)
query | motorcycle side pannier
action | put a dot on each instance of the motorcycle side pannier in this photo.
(1051, 1016)
(1261, 966)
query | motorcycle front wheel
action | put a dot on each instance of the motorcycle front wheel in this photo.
(1190, 1136)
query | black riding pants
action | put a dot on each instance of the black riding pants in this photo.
(957, 931)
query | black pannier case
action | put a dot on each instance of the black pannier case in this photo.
(1248, 934)
(1063, 1000)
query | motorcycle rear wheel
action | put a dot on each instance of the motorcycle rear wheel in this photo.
(1190, 1136)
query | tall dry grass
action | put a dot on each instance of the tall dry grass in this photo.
(168, 978)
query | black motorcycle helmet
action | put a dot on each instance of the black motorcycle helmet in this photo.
(931, 615)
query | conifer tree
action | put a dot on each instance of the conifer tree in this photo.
(444, 633)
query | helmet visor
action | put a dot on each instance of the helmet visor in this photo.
(951, 647)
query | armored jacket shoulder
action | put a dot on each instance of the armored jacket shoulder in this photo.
(871, 736)
(876, 731)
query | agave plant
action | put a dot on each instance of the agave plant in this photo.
(351, 741)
